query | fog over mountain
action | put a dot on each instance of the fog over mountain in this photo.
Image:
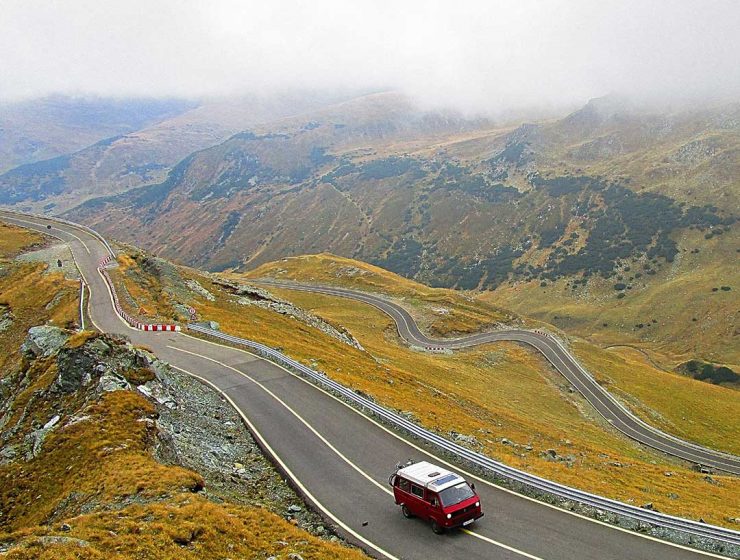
(478, 57)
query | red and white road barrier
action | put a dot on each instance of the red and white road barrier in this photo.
(160, 327)
(132, 321)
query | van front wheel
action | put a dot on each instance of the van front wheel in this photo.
(406, 512)
(437, 528)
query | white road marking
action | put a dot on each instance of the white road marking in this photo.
(290, 473)
(461, 470)
(521, 496)
(330, 446)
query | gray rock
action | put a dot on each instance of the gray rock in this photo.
(470, 440)
(6, 318)
(99, 346)
(550, 455)
(295, 556)
(294, 508)
(111, 382)
(43, 341)
(7, 454)
(195, 286)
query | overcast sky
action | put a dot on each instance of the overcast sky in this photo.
(474, 56)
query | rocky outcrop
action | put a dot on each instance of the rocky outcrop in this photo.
(43, 341)
(195, 286)
(252, 295)
(193, 427)
(6, 318)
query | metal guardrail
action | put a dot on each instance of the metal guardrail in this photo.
(693, 529)
(486, 464)
(589, 380)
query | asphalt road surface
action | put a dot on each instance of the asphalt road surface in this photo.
(616, 414)
(341, 460)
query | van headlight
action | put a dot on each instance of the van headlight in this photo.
(449, 516)
(477, 504)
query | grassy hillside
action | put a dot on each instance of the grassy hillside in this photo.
(44, 128)
(30, 293)
(503, 399)
(140, 152)
(688, 310)
(78, 460)
(442, 311)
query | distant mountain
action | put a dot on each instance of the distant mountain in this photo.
(596, 222)
(143, 156)
(440, 198)
(45, 128)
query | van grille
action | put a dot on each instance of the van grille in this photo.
(463, 511)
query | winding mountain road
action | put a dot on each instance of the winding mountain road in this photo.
(554, 352)
(340, 459)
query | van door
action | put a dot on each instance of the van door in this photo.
(434, 508)
(416, 501)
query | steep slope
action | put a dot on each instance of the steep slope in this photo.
(500, 399)
(141, 156)
(461, 203)
(106, 452)
(52, 126)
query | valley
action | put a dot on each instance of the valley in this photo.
(389, 280)
(192, 354)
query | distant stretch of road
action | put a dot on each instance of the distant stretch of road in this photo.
(564, 362)
(340, 459)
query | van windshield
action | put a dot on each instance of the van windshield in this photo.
(455, 494)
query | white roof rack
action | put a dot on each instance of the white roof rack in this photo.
(429, 475)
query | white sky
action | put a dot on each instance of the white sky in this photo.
(474, 56)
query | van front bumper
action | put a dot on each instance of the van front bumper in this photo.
(456, 523)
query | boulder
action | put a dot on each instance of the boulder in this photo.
(111, 382)
(43, 341)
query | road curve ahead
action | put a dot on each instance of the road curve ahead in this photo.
(555, 353)
(340, 459)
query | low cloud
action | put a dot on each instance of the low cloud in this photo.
(472, 56)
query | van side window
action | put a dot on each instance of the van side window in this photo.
(417, 491)
(404, 484)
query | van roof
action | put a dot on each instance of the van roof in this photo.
(429, 475)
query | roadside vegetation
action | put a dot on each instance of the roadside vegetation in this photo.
(440, 311)
(30, 293)
(501, 399)
(77, 464)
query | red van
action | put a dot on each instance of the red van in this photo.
(427, 491)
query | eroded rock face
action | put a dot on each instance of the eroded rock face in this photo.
(259, 297)
(43, 341)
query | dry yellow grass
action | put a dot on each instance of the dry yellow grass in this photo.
(494, 392)
(698, 411)
(104, 458)
(683, 312)
(14, 240)
(185, 527)
(28, 291)
(442, 312)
